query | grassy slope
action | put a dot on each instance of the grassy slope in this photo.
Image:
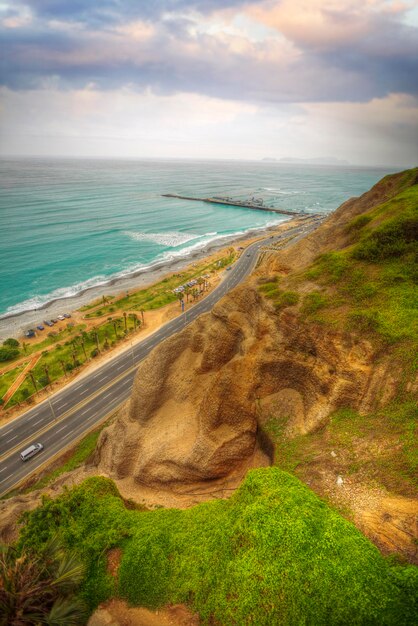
(368, 288)
(272, 554)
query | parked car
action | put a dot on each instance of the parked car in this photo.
(30, 333)
(54, 321)
(248, 254)
(61, 318)
(48, 323)
(31, 451)
(67, 315)
(40, 327)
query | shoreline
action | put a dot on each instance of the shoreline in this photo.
(14, 324)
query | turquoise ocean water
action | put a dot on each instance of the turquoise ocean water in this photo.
(68, 224)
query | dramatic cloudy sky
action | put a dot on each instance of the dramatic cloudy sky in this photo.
(211, 78)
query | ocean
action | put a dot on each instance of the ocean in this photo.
(70, 224)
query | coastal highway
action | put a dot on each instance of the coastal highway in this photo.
(64, 416)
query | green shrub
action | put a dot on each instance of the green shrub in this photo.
(8, 353)
(12, 343)
(392, 239)
(366, 320)
(332, 266)
(272, 554)
(314, 301)
(358, 223)
(285, 299)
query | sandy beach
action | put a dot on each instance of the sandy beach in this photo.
(15, 325)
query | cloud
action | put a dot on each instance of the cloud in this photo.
(271, 62)
(306, 60)
(108, 12)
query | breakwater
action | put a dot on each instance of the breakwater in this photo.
(245, 204)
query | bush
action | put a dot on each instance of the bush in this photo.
(367, 320)
(274, 553)
(94, 353)
(25, 393)
(314, 301)
(358, 222)
(8, 353)
(392, 239)
(12, 343)
(285, 299)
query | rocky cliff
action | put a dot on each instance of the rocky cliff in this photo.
(204, 400)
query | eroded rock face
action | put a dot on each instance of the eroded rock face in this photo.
(200, 397)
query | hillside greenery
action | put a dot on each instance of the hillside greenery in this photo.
(373, 281)
(272, 554)
(378, 449)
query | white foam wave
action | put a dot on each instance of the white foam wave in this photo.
(281, 192)
(97, 281)
(170, 239)
(61, 292)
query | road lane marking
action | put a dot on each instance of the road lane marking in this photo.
(31, 417)
(38, 422)
(2, 470)
(107, 395)
(7, 440)
(60, 429)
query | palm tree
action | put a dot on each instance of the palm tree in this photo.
(125, 321)
(200, 282)
(142, 314)
(63, 368)
(195, 293)
(134, 319)
(40, 588)
(180, 296)
(32, 377)
(24, 347)
(46, 370)
(96, 338)
(187, 292)
(81, 338)
(115, 329)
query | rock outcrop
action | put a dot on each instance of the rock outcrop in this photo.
(201, 396)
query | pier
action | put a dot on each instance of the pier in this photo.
(254, 203)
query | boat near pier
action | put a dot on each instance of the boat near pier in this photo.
(252, 203)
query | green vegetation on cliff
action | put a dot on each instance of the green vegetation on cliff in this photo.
(369, 286)
(272, 554)
(373, 281)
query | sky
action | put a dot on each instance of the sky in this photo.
(216, 79)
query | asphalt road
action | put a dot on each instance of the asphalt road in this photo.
(66, 415)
